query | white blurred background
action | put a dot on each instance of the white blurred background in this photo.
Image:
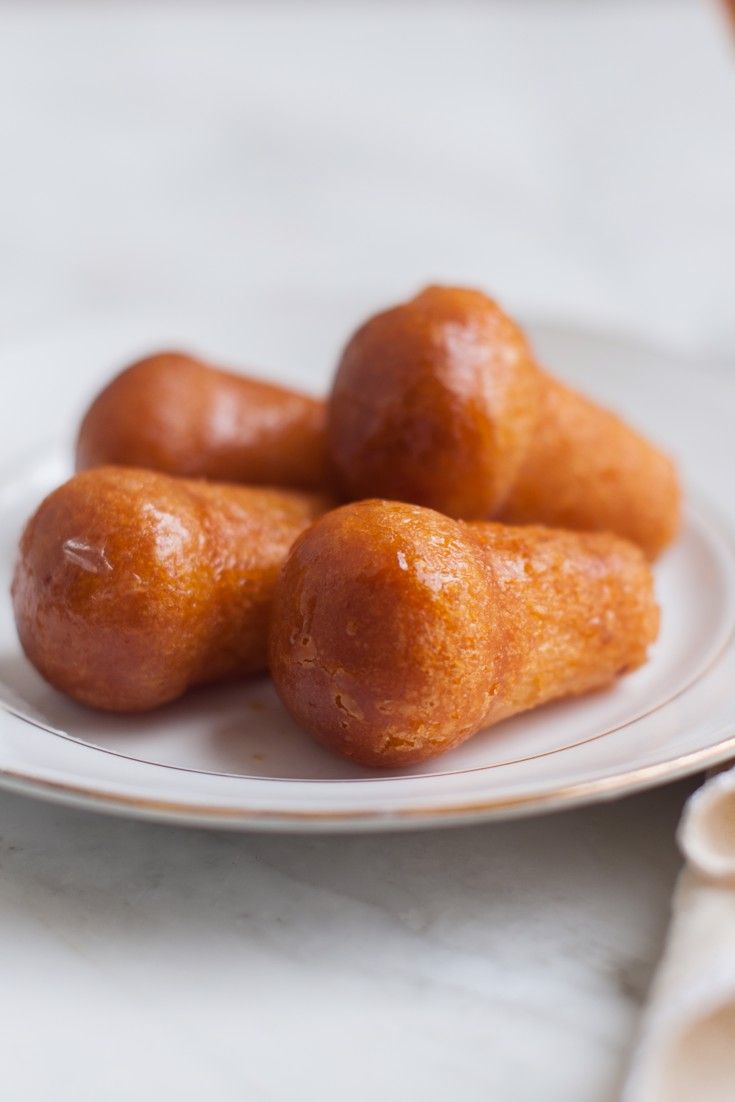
(237, 160)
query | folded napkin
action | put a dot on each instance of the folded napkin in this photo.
(686, 1051)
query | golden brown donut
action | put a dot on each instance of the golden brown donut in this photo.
(397, 633)
(131, 586)
(173, 413)
(439, 401)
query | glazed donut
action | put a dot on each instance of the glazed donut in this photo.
(397, 632)
(439, 401)
(132, 586)
(173, 413)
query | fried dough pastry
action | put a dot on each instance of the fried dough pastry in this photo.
(173, 413)
(439, 401)
(132, 586)
(397, 633)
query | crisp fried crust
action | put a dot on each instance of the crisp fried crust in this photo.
(397, 632)
(132, 586)
(173, 413)
(586, 469)
(439, 401)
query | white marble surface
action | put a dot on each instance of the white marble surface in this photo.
(174, 162)
(504, 962)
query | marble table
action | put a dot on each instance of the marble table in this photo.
(505, 961)
(168, 163)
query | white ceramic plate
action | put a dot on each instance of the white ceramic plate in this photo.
(230, 757)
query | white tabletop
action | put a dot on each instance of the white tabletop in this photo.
(190, 168)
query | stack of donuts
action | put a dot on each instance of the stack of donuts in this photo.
(452, 538)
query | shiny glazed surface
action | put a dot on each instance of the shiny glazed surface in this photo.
(132, 586)
(439, 401)
(174, 413)
(397, 632)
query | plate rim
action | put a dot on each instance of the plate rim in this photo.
(561, 798)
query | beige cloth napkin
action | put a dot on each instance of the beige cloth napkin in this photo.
(686, 1051)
